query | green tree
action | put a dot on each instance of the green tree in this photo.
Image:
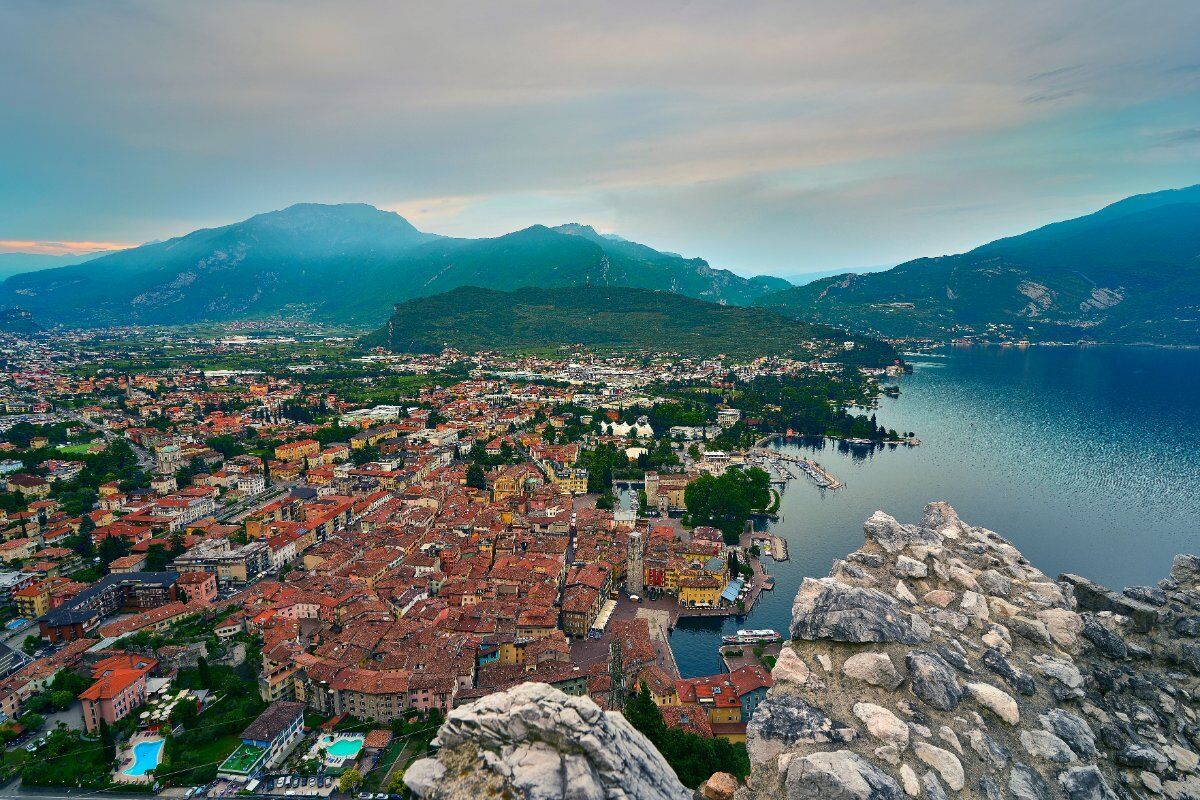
(107, 742)
(475, 476)
(204, 673)
(350, 781)
(31, 644)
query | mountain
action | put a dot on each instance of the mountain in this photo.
(346, 264)
(1129, 273)
(17, 320)
(16, 263)
(607, 318)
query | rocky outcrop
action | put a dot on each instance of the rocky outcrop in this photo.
(936, 661)
(537, 743)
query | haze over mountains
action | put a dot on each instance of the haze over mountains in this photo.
(1127, 273)
(349, 264)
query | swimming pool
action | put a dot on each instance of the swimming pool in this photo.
(146, 756)
(342, 748)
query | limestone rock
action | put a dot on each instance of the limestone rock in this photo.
(535, 742)
(944, 762)
(839, 775)
(721, 786)
(998, 701)
(826, 609)
(933, 680)
(1025, 783)
(1085, 783)
(882, 724)
(1047, 746)
(876, 669)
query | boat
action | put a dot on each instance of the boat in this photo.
(755, 636)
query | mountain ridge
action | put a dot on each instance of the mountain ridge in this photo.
(471, 318)
(345, 263)
(1129, 272)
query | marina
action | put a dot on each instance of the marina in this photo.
(783, 467)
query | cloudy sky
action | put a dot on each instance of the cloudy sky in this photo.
(764, 137)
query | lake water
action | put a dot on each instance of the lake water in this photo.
(1088, 459)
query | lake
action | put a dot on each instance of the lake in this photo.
(1087, 459)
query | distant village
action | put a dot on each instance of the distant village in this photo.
(300, 581)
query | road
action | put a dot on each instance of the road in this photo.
(145, 460)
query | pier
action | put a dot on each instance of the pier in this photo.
(784, 465)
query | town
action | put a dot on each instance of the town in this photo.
(244, 562)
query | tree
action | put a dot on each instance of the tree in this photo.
(726, 501)
(475, 477)
(204, 674)
(351, 780)
(107, 743)
(31, 644)
(644, 715)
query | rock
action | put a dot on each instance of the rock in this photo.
(990, 789)
(1150, 595)
(876, 669)
(990, 752)
(1018, 679)
(1025, 783)
(944, 762)
(939, 597)
(1187, 789)
(1185, 569)
(1045, 745)
(1064, 626)
(787, 720)
(1029, 629)
(1140, 756)
(1072, 729)
(997, 701)
(1188, 626)
(424, 775)
(908, 779)
(933, 787)
(535, 742)
(1151, 781)
(826, 609)
(838, 775)
(1092, 596)
(1084, 783)
(893, 537)
(907, 567)
(1105, 640)
(720, 786)
(940, 518)
(994, 583)
(882, 724)
(933, 680)
(789, 668)
(903, 594)
(1060, 671)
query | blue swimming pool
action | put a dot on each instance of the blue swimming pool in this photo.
(146, 756)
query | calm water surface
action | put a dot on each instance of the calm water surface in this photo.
(1088, 459)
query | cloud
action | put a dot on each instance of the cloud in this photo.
(59, 248)
(141, 120)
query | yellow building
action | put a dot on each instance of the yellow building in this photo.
(574, 481)
(33, 601)
(701, 589)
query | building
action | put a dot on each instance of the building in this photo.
(251, 484)
(84, 612)
(119, 689)
(231, 565)
(266, 741)
(729, 701)
(295, 451)
(633, 567)
(198, 587)
(665, 491)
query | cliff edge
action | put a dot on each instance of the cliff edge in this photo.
(935, 661)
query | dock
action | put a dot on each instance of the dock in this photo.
(779, 548)
(781, 466)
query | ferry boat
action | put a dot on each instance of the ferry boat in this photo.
(756, 636)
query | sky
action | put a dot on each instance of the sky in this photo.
(775, 138)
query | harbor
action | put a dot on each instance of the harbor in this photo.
(783, 467)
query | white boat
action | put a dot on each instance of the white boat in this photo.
(754, 636)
